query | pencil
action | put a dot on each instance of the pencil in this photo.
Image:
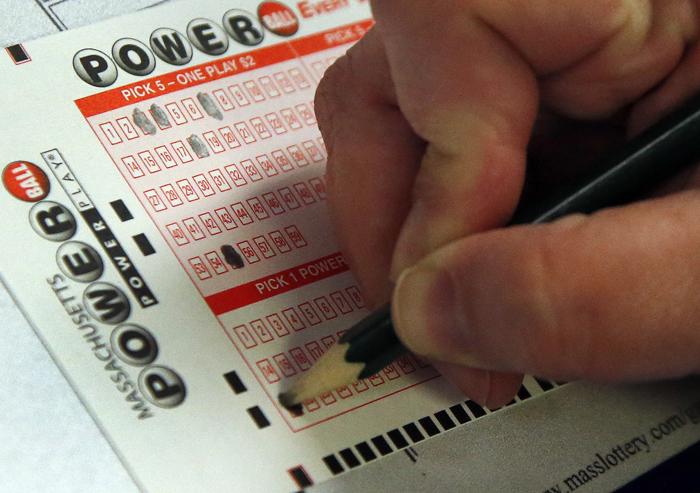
(631, 172)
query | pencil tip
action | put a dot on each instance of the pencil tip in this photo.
(289, 401)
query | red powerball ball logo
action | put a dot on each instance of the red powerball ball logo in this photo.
(25, 181)
(278, 18)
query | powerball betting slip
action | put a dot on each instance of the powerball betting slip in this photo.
(165, 233)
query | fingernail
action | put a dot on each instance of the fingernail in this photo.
(424, 311)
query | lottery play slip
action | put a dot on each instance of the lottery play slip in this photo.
(165, 233)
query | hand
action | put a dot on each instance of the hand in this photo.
(428, 120)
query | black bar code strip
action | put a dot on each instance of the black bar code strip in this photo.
(349, 458)
(523, 393)
(413, 432)
(460, 414)
(445, 420)
(366, 451)
(333, 464)
(382, 445)
(397, 439)
(427, 426)
(545, 384)
(476, 409)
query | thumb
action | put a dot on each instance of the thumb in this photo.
(609, 297)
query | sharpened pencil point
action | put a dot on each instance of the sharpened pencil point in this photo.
(288, 400)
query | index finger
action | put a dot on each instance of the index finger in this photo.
(373, 156)
(468, 78)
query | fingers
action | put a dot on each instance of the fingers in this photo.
(472, 98)
(373, 157)
(370, 171)
(459, 80)
(608, 297)
(647, 46)
(474, 106)
(466, 76)
(684, 83)
(490, 389)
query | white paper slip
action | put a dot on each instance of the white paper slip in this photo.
(24, 20)
(165, 232)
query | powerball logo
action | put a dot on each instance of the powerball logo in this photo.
(169, 45)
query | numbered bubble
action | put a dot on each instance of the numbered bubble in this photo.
(162, 386)
(95, 68)
(207, 36)
(244, 27)
(134, 345)
(52, 221)
(171, 46)
(133, 56)
(79, 261)
(106, 303)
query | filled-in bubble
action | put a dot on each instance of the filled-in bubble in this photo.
(160, 116)
(232, 257)
(209, 105)
(199, 148)
(142, 121)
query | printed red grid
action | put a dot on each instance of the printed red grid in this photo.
(268, 56)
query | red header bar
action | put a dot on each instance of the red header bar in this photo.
(274, 284)
(331, 38)
(218, 69)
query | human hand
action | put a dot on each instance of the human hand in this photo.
(428, 121)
